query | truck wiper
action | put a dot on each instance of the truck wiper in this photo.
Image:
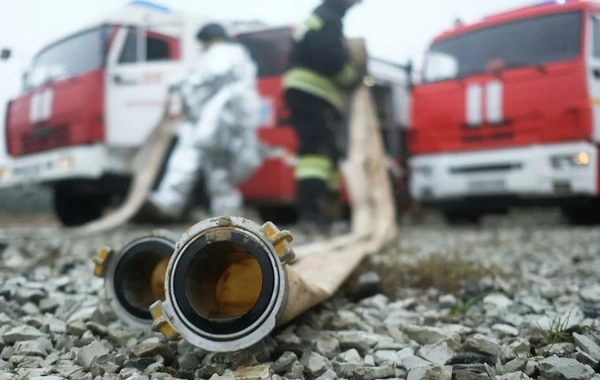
(540, 66)
(512, 65)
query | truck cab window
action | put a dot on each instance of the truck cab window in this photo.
(129, 52)
(77, 54)
(157, 48)
(526, 42)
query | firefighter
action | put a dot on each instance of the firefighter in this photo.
(315, 85)
(218, 137)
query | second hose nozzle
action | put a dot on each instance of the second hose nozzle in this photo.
(134, 276)
(225, 285)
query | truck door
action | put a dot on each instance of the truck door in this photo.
(142, 64)
(593, 72)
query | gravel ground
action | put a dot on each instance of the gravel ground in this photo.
(517, 298)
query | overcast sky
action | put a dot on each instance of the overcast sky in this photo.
(394, 29)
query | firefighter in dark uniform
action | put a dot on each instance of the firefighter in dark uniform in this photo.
(320, 73)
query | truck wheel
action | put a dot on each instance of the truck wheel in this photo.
(462, 217)
(73, 208)
(581, 216)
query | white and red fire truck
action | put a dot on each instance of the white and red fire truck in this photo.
(91, 99)
(507, 113)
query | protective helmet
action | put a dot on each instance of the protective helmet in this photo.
(210, 32)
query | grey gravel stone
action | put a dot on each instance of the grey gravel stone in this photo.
(327, 346)
(519, 348)
(316, 363)
(427, 335)
(296, 371)
(515, 365)
(560, 349)
(431, 373)
(358, 340)
(447, 301)
(382, 356)
(587, 345)
(513, 376)
(329, 375)
(483, 344)
(564, 368)
(30, 348)
(411, 362)
(438, 353)
(52, 315)
(188, 361)
(387, 371)
(87, 354)
(23, 332)
(151, 349)
(284, 362)
(504, 329)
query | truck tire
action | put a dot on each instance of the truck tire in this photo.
(74, 208)
(462, 218)
(581, 216)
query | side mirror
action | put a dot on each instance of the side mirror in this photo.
(5, 54)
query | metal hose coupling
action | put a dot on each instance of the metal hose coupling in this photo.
(225, 285)
(134, 276)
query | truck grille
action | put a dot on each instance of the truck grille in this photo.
(486, 168)
(45, 138)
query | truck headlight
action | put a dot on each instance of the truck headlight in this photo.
(65, 163)
(566, 161)
(5, 174)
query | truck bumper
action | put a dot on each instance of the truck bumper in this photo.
(541, 171)
(87, 162)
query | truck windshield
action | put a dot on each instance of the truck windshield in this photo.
(531, 42)
(77, 54)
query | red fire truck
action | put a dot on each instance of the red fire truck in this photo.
(91, 99)
(507, 113)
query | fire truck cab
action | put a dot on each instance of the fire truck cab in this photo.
(91, 99)
(507, 113)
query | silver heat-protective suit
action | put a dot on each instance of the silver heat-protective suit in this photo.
(218, 137)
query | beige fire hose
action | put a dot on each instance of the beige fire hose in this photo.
(148, 163)
(229, 281)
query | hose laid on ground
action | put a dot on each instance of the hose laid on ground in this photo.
(230, 281)
(148, 161)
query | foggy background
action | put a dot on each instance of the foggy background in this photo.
(396, 30)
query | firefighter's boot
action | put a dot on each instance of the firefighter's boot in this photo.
(333, 207)
(312, 199)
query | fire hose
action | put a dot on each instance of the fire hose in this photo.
(229, 281)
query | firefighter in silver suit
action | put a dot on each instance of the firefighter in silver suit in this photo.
(218, 137)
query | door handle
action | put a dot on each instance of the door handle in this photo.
(118, 79)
